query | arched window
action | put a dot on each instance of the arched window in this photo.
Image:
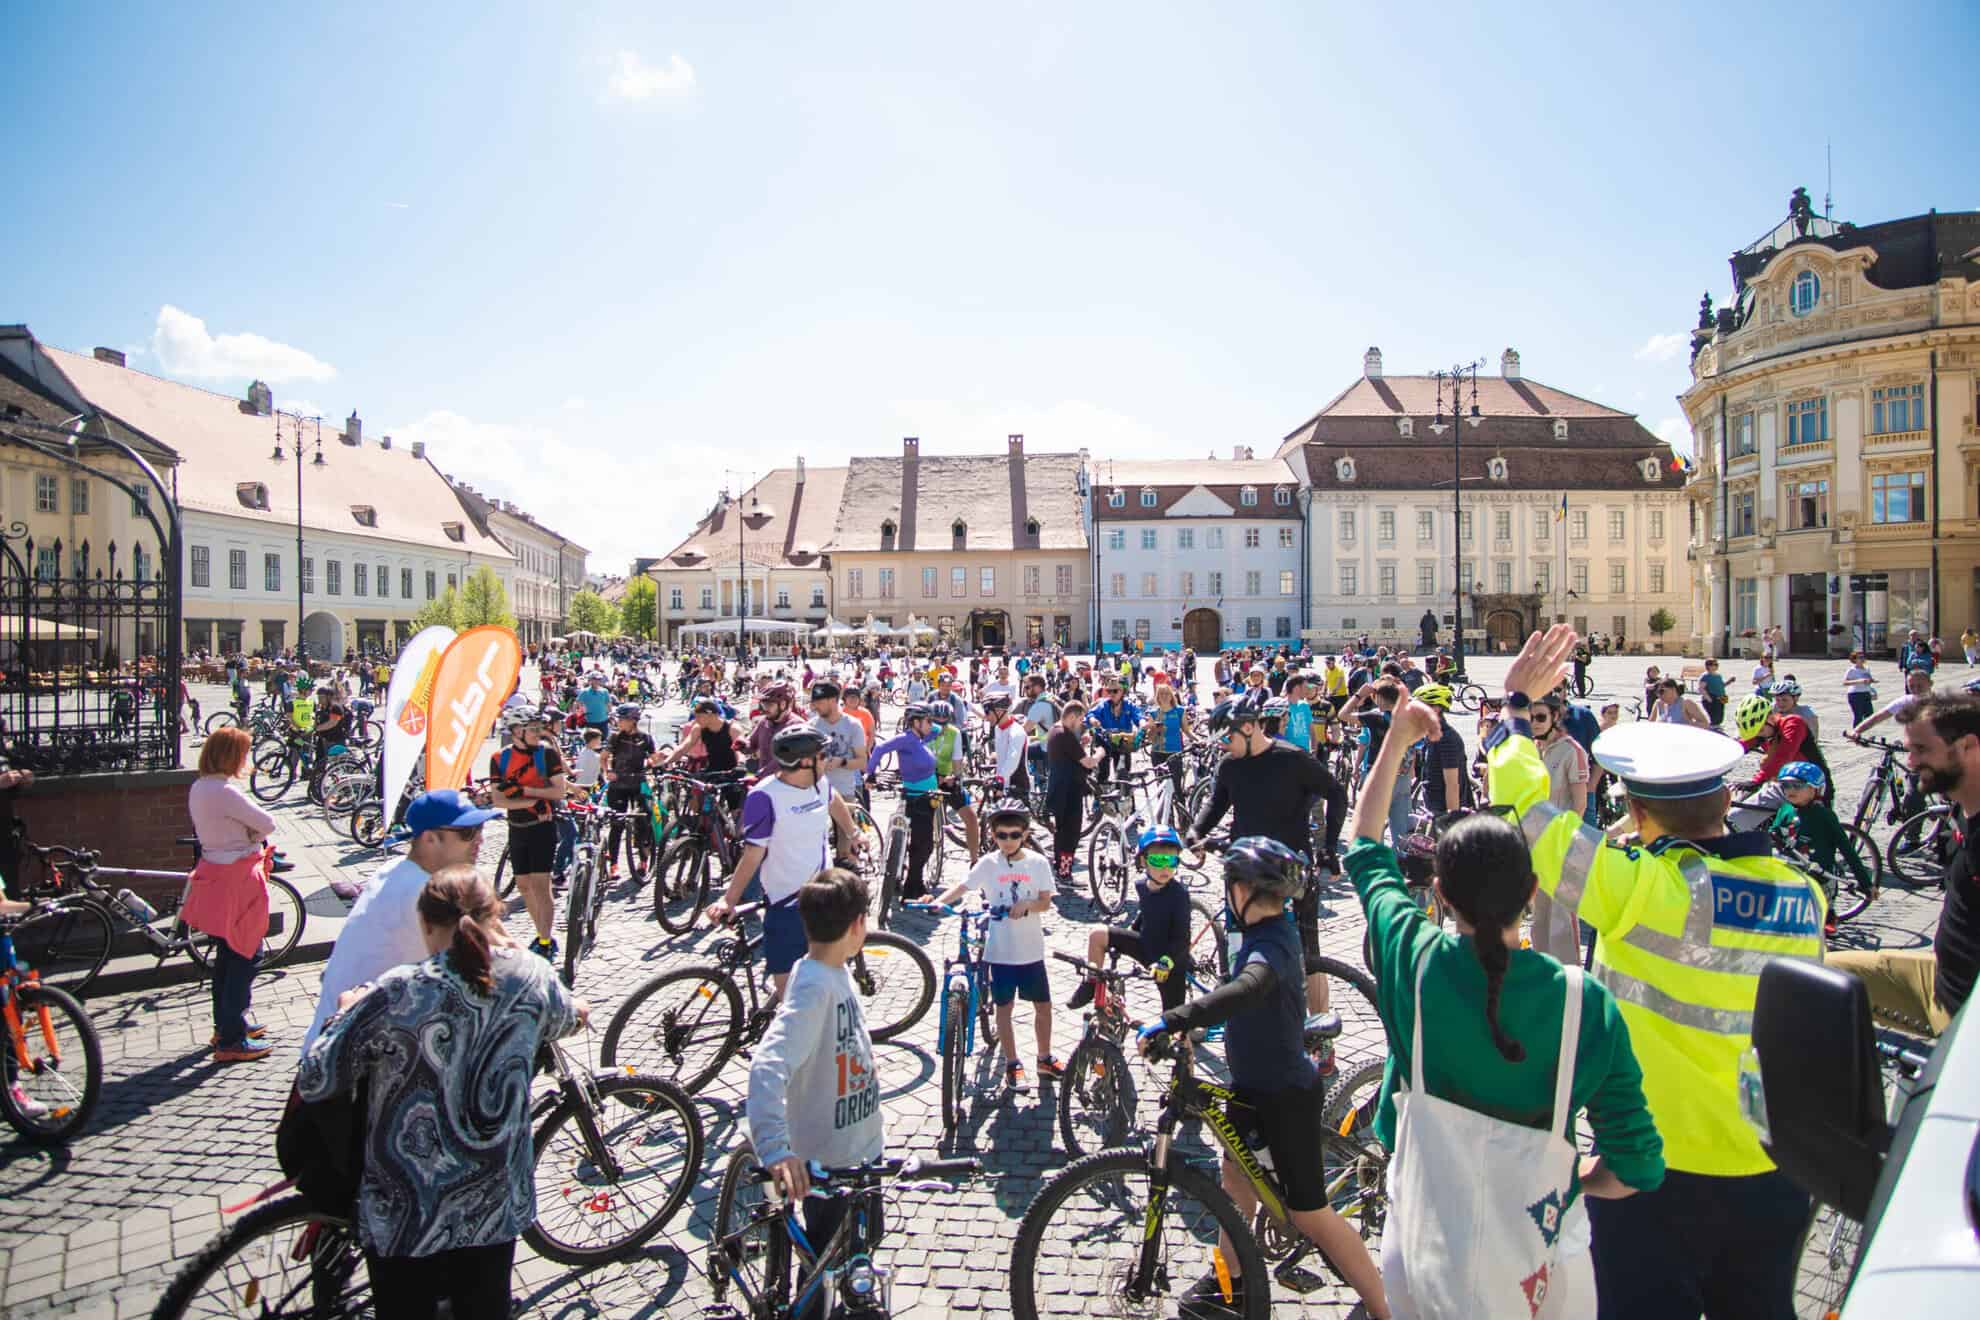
(887, 535)
(959, 534)
(1031, 530)
(1117, 499)
(1281, 496)
(1248, 496)
(1147, 497)
(1805, 295)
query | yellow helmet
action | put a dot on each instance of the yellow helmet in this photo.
(1750, 716)
(1434, 694)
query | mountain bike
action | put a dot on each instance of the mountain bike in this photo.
(1846, 895)
(1110, 849)
(52, 1068)
(1888, 787)
(965, 1006)
(705, 847)
(756, 1231)
(1097, 1094)
(1923, 846)
(687, 1023)
(894, 866)
(584, 899)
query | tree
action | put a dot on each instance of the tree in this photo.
(591, 612)
(639, 609)
(1661, 622)
(442, 611)
(485, 600)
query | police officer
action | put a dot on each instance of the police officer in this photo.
(1685, 923)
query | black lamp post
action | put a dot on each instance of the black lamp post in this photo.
(316, 423)
(1450, 390)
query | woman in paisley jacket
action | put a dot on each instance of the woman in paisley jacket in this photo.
(448, 1047)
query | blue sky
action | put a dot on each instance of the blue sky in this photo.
(596, 254)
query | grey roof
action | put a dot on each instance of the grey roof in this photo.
(982, 490)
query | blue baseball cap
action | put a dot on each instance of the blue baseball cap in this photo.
(445, 809)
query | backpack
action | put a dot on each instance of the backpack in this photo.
(320, 1145)
(536, 753)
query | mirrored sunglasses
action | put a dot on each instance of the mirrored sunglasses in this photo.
(1161, 861)
(1007, 835)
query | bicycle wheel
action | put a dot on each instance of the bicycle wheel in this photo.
(286, 918)
(746, 1245)
(955, 1013)
(892, 876)
(505, 875)
(67, 945)
(682, 1026)
(1469, 696)
(680, 885)
(869, 831)
(1109, 866)
(1851, 897)
(279, 1259)
(1871, 798)
(367, 824)
(577, 919)
(1355, 1165)
(1362, 1032)
(1079, 1244)
(612, 1168)
(1209, 951)
(220, 719)
(1096, 1098)
(1922, 847)
(1829, 1251)
(274, 770)
(49, 1099)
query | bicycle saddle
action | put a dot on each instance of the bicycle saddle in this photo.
(1321, 1027)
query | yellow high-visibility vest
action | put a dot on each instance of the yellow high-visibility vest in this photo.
(1682, 936)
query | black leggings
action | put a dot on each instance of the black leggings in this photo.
(474, 1279)
(1066, 821)
(920, 808)
(622, 797)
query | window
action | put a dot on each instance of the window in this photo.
(1746, 604)
(1464, 526)
(1502, 577)
(1426, 526)
(1578, 577)
(1213, 538)
(708, 593)
(1248, 497)
(431, 592)
(405, 583)
(1616, 524)
(1347, 525)
(1578, 524)
(78, 495)
(46, 492)
(887, 535)
(453, 583)
(1185, 585)
(1385, 526)
(1117, 585)
(271, 572)
(958, 582)
(1148, 538)
(1254, 627)
(1742, 442)
(1426, 579)
(674, 599)
(817, 597)
(886, 584)
(1808, 505)
(44, 559)
(1347, 621)
(1141, 629)
(1147, 497)
(1031, 576)
(1502, 524)
(1897, 497)
(987, 581)
(140, 500)
(1118, 627)
(1185, 538)
(1150, 586)
(1252, 581)
(928, 582)
(1466, 576)
(309, 575)
(1656, 524)
(360, 578)
(1062, 580)
(1808, 421)
(1350, 579)
(959, 535)
(1385, 579)
(1496, 469)
(1285, 582)
(1543, 524)
(1251, 538)
(384, 580)
(333, 577)
(1805, 294)
(1282, 626)
(1542, 578)
(1285, 538)
(1117, 539)
(1898, 408)
(1281, 496)
(237, 570)
(1217, 585)
(1656, 579)
(1742, 514)
(1616, 579)
(202, 565)
(1117, 499)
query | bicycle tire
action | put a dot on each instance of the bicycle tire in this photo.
(220, 719)
(367, 824)
(505, 875)
(68, 1106)
(891, 877)
(1851, 897)
(591, 1195)
(1872, 796)
(334, 1258)
(1469, 696)
(955, 1011)
(657, 1044)
(1354, 1165)
(285, 908)
(1209, 951)
(1361, 1024)
(1109, 864)
(680, 885)
(872, 975)
(271, 766)
(1920, 848)
(764, 1259)
(1098, 1086)
(577, 914)
(67, 945)
(1107, 1254)
(1831, 1247)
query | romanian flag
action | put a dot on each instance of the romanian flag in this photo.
(1561, 512)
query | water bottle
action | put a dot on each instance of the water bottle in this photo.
(143, 911)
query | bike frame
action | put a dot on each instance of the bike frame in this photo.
(968, 964)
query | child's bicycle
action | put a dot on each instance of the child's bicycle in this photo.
(53, 1066)
(965, 1005)
(756, 1231)
(1097, 1094)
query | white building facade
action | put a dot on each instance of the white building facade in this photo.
(549, 567)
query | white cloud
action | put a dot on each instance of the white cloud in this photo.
(576, 403)
(1673, 432)
(184, 348)
(1663, 348)
(635, 80)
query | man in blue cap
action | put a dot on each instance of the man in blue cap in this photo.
(382, 931)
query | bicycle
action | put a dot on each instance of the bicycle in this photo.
(1887, 789)
(686, 1024)
(44, 1101)
(755, 1232)
(893, 867)
(1125, 1219)
(709, 838)
(1846, 895)
(67, 940)
(1923, 846)
(1110, 849)
(584, 900)
(965, 1006)
(1097, 1094)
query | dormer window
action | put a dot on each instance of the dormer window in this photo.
(958, 535)
(1147, 497)
(887, 535)
(1281, 496)
(1496, 469)
(251, 494)
(367, 516)
(1805, 294)
(1031, 530)
(1248, 496)
(1117, 499)
(1560, 428)
(1652, 469)
(1406, 427)
(1344, 469)
(455, 531)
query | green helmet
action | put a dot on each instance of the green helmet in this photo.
(1750, 716)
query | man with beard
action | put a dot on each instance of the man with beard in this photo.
(1914, 991)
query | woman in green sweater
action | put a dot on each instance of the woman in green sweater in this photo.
(1493, 1010)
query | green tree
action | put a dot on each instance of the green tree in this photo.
(639, 611)
(591, 612)
(1661, 622)
(485, 600)
(444, 610)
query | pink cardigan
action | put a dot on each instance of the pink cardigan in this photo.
(229, 901)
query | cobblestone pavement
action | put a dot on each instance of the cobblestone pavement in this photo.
(99, 1227)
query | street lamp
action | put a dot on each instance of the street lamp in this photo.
(302, 648)
(1450, 389)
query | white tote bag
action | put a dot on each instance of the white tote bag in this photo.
(1476, 1204)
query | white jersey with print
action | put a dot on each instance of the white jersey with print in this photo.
(795, 826)
(1006, 883)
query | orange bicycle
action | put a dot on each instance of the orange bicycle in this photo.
(52, 1068)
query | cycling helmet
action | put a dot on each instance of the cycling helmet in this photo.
(1804, 772)
(1784, 687)
(917, 710)
(1156, 836)
(1220, 717)
(516, 719)
(794, 743)
(1007, 809)
(779, 692)
(1418, 856)
(1267, 865)
(1434, 694)
(1275, 711)
(1750, 716)
(997, 702)
(627, 710)
(547, 715)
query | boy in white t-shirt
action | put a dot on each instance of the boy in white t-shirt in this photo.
(590, 765)
(1014, 878)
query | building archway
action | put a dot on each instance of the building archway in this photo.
(323, 633)
(1505, 631)
(989, 629)
(1203, 630)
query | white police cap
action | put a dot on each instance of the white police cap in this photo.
(1656, 760)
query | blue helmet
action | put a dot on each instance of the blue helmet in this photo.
(627, 710)
(1804, 772)
(1157, 834)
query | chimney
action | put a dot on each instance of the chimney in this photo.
(385, 443)
(114, 356)
(260, 401)
(1371, 364)
(1016, 443)
(419, 449)
(800, 472)
(1020, 494)
(353, 429)
(1509, 364)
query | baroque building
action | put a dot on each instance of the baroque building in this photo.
(1832, 410)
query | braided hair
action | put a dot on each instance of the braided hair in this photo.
(1486, 875)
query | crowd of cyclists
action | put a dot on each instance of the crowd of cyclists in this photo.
(1564, 839)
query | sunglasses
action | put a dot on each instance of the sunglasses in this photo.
(1007, 835)
(1161, 861)
(462, 832)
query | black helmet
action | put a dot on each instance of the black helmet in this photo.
(1267, 865)
(1219, 718)
(1008, 809)
(796, 742)
(627, 710)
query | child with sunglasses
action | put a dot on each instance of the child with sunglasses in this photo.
(1161, 925)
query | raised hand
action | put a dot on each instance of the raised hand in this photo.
(1542, 662)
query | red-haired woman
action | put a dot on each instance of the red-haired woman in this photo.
(228, 897)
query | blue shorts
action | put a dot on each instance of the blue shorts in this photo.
(1025, 981)
(783, 938)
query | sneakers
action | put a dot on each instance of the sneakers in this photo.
(1050, 1068)
(1083, 995)
(1014, 1073)
(24, 1104)
(544, 948)
(255, 1031)
(245, 1052)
